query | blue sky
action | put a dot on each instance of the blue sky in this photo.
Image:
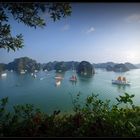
(95, 32)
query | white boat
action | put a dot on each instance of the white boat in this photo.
(42, 78)
(121, 81)
(57, 83)
(73, 77)
(4, 74)
(22, 72)
(85, 73)
(58, 77)
(36, 70)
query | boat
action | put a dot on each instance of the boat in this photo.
(42, 78)
(34, 75)
(35, 70)
(73, 78)
(22, 72)
(4, 74)
(121, 81)
(58, 82)
(58, 77)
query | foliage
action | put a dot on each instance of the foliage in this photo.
(96, 118)
(31, 15)
(2, 67)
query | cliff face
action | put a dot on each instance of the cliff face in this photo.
(23, 63)
(130, 66)
(60, 67)
(120, 68)
(85, 68)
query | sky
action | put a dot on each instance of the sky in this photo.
(95, 32)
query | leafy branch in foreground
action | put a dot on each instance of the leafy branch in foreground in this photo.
(95, 118)
(31, 15)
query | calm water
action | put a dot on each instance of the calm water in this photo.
(46, 95)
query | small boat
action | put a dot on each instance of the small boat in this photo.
(85, 73)
(22, 72)
(36, 70)
(4, 74)
(58, 77)
(34, 75)
(73, 78)
(42, 78)
(121, 81)
(59, 70)
(57, 83)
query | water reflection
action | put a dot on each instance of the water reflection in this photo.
(85, 78)
(121, 88)
(73, 82)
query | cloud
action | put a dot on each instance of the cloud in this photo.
(133, 18)
(66, 27)
(90, 30)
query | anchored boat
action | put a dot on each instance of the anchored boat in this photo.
(121, 81)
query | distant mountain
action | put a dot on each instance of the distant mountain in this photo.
(120, 68)
(111, 66)
(137, 65)
(104, 65)
(23, 63)
(26, 63)
(130, 66)
(60, 66)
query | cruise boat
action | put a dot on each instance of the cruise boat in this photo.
(4, 74)
(121, 81)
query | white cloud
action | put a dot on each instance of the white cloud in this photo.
(66, 27)
(133, 18)
(90, 30)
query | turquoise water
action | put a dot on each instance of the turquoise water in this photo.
(43, 93)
